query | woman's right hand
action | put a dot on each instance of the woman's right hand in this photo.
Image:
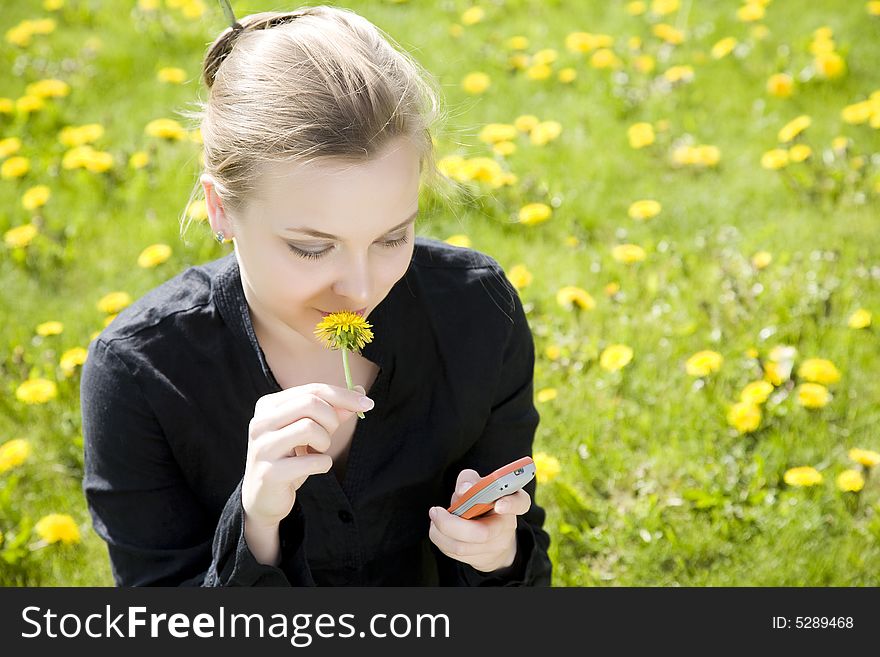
(285, 425)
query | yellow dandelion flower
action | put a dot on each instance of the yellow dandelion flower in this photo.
(36, 391)
(517, 43)
(525, 122)
(15, 167)
(750, 12)
(640, 135)
(35, 197)
(663, 7)
(539, 72)
(668, 33)
(459, 240)
(723, 47)
(744, 416)
(605, 58)
(679, 74)
(504, 148)
(153, 255)
(9, 146)
(171, 75)
(50, 328)
(50, 88)
(546, 394)
(644, 209)
(57, 527)
(476, 83)
(552, 352)
(114, 302)
(534, 213)
(819, 370)
(829, 65)
(72, 358)
(628, 253)
(546, 467)
(472, 15)
(793, 128)
(344, 331)
(762, 259)
(13, 453)
(165, 129)
(780, 85)
(636, 8)
(519, 276)
(20, 236)
(873, 7)
(859, 319)
(866, 457)
(545, 132)
(571, 296)
(139, 160)
(799, 153)
(198, 210)
(567, 75)
(495, 132)
(813, 395)
(850, 481)
(29, 104)
(615, 357)
(611, 288)
(756, 392)
(776, 158)
(73, 136)
(802, 476)
(857, 113)
(645, 63)
(704, 363)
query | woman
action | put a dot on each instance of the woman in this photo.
(223, 446)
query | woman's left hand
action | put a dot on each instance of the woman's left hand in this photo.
(487, 542)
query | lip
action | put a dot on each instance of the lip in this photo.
(360, 312)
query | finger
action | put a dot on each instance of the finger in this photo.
(458, 549)
(276, 410)
(466, 479)
(299, 469)
(476, 530)
(516, 504)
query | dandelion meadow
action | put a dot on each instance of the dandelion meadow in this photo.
(684, 193)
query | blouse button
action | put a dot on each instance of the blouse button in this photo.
(345, 516)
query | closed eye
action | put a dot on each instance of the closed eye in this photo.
(314, 255)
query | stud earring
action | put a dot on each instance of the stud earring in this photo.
(219, 236)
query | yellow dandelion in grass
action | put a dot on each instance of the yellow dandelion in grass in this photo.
(504, 148)
(552, 352)
(15, 167)
(866, 457)
(615, 357)
(72, 136)
(860, 319)
(545, 132)
(819, 370)
(109, 318)
(744, 416)
(813, 395)
(799, 153)
(53, 5)
(644, 209)
(50, 88)
(6, 106)
(611, 289)
(35, 197)
(605, 58)
(679, 74)
(472, 15)
(165, 129)
(13, 453)
(476, 82)
(793, 128)
(704, 363)
(873, 7)
(571, 241)
(547, 467)
(802, 476)
(153, 255)
(20, 236)
(640, 135)
(198, 210)
(534, 213)
(459, 240)
(519, 276)
(71, 359)
(546, 394)
(762, 259)
(171, 75)
(36, 391)
(518, 42)
(780, 85)
(455, 30)
(57, 527)
(50, 328)
(545, 56)
(776, 158)
(628, 253)
(495, 132)
(756, 392)
(663, 7)
(567, 75)
(139, 159)
(636, 8)
(850, 481)
(86, 157)
(571, 296)
(668, 33)
(750, 12)
(113, 302)
(345, 331)
(644, 63)
(723, 47)
(525, 122)
(829, 65)
(9, 146)
(857, 113)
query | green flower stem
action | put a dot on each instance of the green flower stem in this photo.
(348, 374)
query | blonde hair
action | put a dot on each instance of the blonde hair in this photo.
(317, 82)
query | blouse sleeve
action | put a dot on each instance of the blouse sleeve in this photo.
(157, 532)
(507, 436)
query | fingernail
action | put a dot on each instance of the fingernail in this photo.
(433, 513)
(366, 403)
(462, 488)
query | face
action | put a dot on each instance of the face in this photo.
(367, 211)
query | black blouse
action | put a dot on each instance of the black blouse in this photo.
(169, 388)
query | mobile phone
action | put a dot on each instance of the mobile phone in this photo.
(481, 497)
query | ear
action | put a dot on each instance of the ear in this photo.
(216, 214)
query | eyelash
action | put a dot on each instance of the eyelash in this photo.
(309, 255)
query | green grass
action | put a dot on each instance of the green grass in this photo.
(655, 487)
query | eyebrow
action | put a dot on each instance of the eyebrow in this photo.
(318, 233)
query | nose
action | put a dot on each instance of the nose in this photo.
(355, 281)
